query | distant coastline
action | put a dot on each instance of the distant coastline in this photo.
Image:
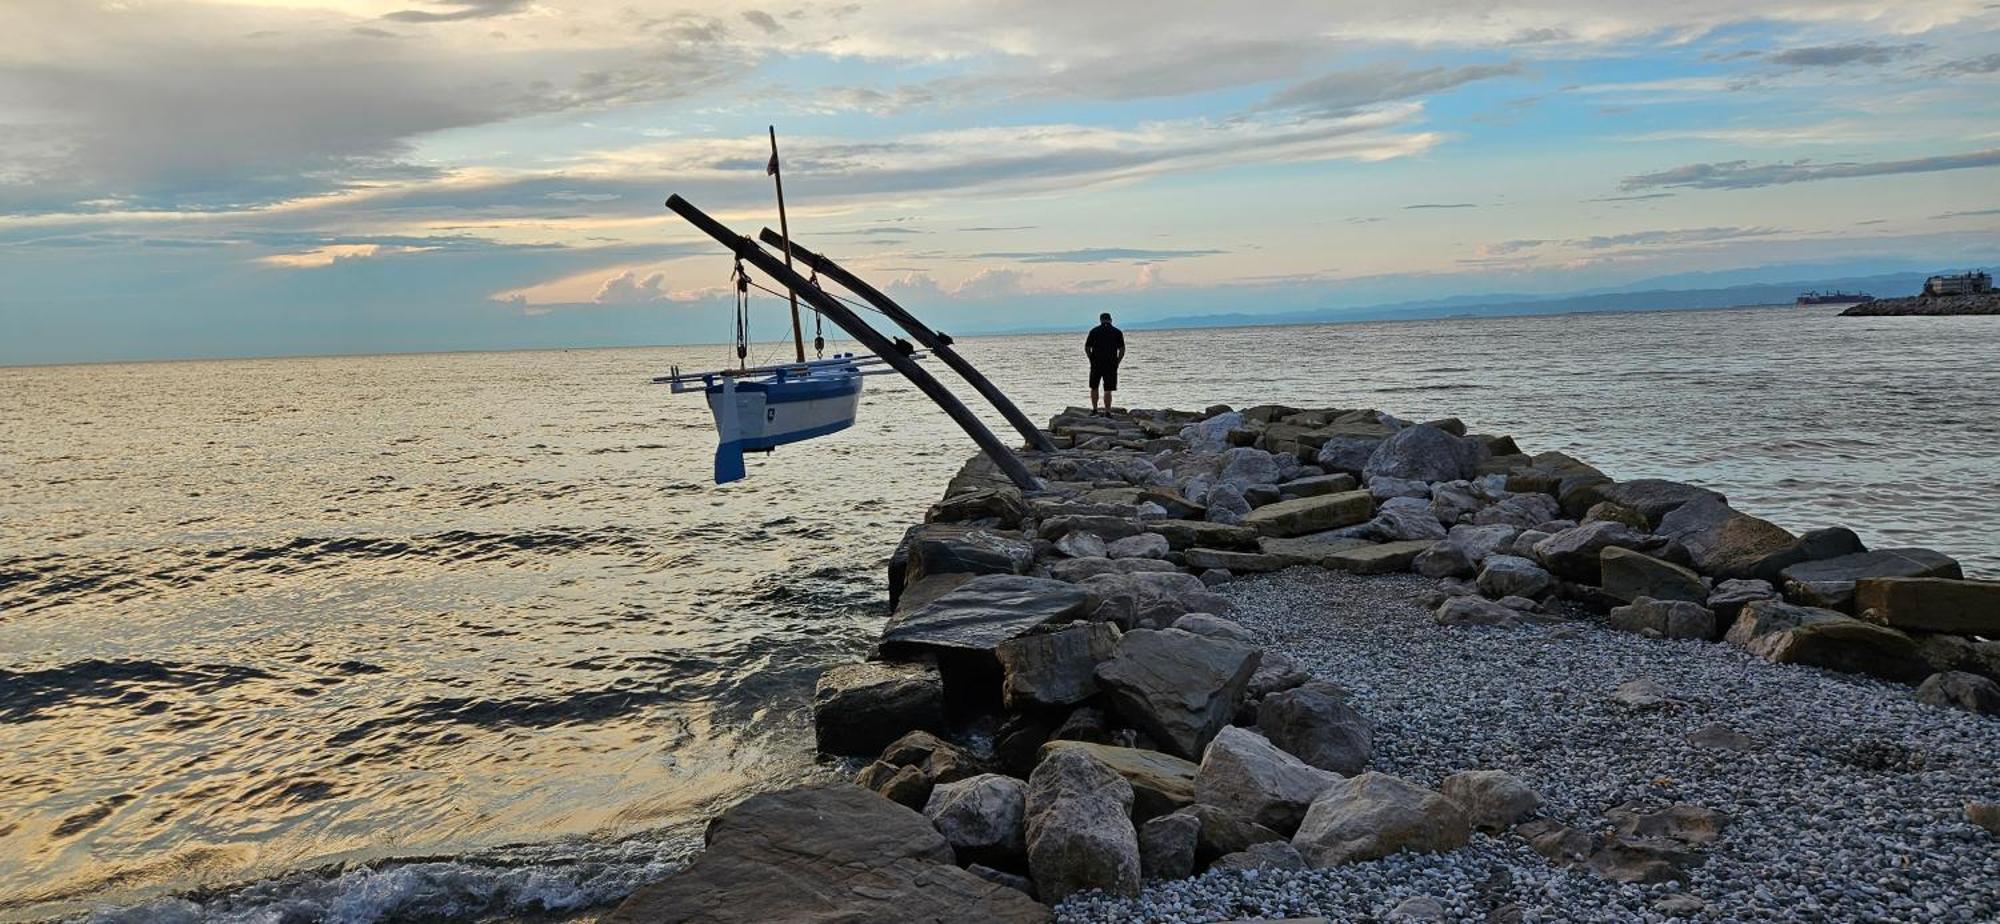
(1922, 306)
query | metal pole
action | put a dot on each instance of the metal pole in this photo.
(798, 335)
(869, 337)
(923, 334)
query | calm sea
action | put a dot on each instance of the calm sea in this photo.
(265, 624)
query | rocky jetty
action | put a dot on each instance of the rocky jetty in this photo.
(1102, 700)
(1927, 305)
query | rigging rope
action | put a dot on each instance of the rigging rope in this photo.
(819, 334)
(742, 280)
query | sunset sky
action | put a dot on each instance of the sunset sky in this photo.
(261, 177)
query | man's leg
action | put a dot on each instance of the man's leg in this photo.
(1093, 399)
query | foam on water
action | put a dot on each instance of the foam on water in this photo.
(392, 613)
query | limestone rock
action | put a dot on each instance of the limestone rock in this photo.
(1952, 690)
(1079, 827)
(1161, 783)
(858, 708)
(1787, 634)
(982, 817)
(843, 853)
(1243, 773)
(1508, 576)
(1054, 668)
(1373, 815)
(1830, 583)
(1314, 550)
(1167, 846)
(1311, 514)
(1314, 723)
(1492, 800)
(1629, 575)
(1932, 604)
(1178, 687)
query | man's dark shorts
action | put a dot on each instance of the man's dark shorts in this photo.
(1106, 373)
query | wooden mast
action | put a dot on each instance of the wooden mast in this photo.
(798, 333)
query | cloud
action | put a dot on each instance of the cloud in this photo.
(763, 20)
(1638, 198)
(1346, 91)
(1095, 255)
(466, 9)
(1986, 64)
(629, 288)
(1742, 174)
(1677, 237)
(1443, 205)
(1970, 214)
(991, 283)
(1870, 53)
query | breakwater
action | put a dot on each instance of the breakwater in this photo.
(1927, 306)
(1061, 708)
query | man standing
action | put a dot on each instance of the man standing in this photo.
(1106, 347)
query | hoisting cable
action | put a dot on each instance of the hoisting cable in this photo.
(819, 333)
(742, 280)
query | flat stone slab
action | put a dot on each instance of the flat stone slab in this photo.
(1309, 550)
(982, 613)
(1380, 558)
(1931, 604)
(1311, 514)
(1830, 582)
(824, 853)
(1187, 534)
(1235, 562)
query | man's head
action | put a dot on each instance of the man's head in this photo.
(1104, 318)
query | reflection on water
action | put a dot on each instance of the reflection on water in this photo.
(260, 616)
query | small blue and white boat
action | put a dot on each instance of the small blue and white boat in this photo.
(762, 408)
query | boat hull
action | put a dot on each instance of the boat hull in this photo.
(769, 415)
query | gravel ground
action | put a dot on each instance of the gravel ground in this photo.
(1848, 807)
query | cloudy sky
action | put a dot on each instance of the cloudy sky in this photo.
(200, 178)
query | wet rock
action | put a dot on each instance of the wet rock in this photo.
(1003, 507)
(1144, 545)
(1787, 634)
(1830, 582)
(1161, 783)
(1167, 846)
(1931, 604)
(1178, 687)
(858, 708)
(1958, 690)
(1267, 855)
(1380, 558)
(1186, 534)
(1243, 773)
(1424, 453)
(843, 853)
(1474, 611)
(1665, 618)
(1629, 575)
(1492, 800)
(1054, 668)
(1079, 827)
(1311, 514)
(982, 817)
(1575, 553)
(1508, 576)
(1373, 815)
(1314, 723)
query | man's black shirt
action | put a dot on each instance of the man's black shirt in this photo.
(1104, 345)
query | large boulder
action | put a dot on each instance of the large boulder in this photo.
(1727, 544)
(1347, 453)
(1950, 689)
(1223, 833)
(1665, 618)
(1308, 550)
(1930, 604)
(1104, 526)
(1305, 515)
(1145, 598)
(1830, 582)
(1161, 783)
(1492, 800)
(950, 548)
(1176, 686)
(1373, 815)
(1144, 545)
(1314, 723)
(1788, 634)
(858, 708)
(1245, 466)
(962, 628)
(1629, 575)
(1243, 773)
(1054, 668)
(1521, 511)
(1510, 576)
(1377, 558)
(1227, 505)
(1424, 453)
(1167, 846)
(1187, 534)
(982, 817)
(1402, 519)
(842, 853)
(1575, 553)
(1654, 498)
(1003, 506)
(1079, 827)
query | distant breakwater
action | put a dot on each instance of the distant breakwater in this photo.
(1987, 303)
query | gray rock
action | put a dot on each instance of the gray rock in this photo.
(1227, 505)
(1223, 833)
(1473, 611)
(1308, 515)
(1654, 498)
(1316, 485)
(1575, 553)
(1787, 634)
(1235, 562)
(982, 817)
(1276, 672)
(1314, 723)
(1931, 604)
(1729, 597)
(1186, 534)
(1144, 545)
(1244, 466)
(1347, 454)
(1246, 775)
(940, 760)
(1167, 846)
(1401, 519)
(1443, 560)
(1424, 453)
(1952, 690)
(1629, 575)
(858, 708)
(1267, 855)
(1492, 800)
(1161, 783)
(1082, 545)
(843, 854)
(1374, 815)
(1716, 736)
(1148, 597)
(982, 613)
(1728, 544)
(1316, 549)
(1054, 668)
(1078, 570)
(1829, 583)
(1665, 618)
(1385, 487)
(1015, 881)
(1521, 511)
(906, 786)
(1985, 815)
(1178, 687)
(1079, 827)
(1212, 626)
(1509, 576)
(1455, 501)
(1377, 558)
(955, 548)
(1104, 526)
(1003, 506)
(1641, 693)
(1216, 577)
(1417, 908)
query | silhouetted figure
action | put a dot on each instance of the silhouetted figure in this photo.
(1106, 348)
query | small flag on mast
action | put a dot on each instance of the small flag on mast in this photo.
(771, 169)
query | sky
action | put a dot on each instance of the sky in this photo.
(196, 178)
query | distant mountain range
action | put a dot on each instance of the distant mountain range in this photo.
(1886, 285)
